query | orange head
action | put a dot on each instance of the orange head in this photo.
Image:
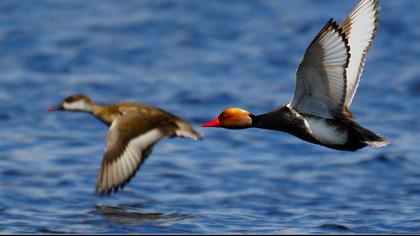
(232, 118)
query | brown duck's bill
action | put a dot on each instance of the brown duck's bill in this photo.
(55, 108)
(213, 123)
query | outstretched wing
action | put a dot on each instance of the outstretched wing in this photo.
(321, 76)
(359, 28)
(129, 142)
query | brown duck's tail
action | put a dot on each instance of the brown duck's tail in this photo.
(368, 137)
(185, 130)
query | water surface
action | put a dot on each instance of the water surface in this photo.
(194, 58)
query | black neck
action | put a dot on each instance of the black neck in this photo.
(272, 120)
(281, 119)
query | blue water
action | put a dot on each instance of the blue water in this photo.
(194, 58)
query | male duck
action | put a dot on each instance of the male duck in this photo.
(327, 80)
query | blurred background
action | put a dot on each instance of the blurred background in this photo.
(194, 58)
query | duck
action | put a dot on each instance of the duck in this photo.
(326, 82)
(134, 129)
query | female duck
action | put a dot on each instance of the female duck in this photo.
(134, 130)
(327, 79)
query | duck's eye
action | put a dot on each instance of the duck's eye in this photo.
(225, 115)
(69, 99)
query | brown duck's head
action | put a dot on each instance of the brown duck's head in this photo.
(76, 102)
(232, 118)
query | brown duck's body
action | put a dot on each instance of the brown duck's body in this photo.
(107, 114)
(134, 129)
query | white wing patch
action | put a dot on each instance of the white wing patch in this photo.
(360, 28)
(118, 172)
(321, 76)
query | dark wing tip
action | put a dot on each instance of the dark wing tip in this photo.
(333, 24)
(377, 9)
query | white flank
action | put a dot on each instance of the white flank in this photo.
(325, 133)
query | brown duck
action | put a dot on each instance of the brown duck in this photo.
(133, 131)
(327, 80)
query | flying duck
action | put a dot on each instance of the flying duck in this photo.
(133, 131)
(326, 81)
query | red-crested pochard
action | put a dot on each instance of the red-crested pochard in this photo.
(326, 81)
(134, 130)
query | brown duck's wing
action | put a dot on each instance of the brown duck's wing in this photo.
(129, 142)
(321, 76)
(360, 28)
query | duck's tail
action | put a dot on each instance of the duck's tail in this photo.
(185, 130)
(368, 137)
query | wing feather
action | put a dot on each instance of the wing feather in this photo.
(129, 142)
(360, 28)
(321, 76)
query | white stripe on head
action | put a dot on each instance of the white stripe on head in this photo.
(79, 105)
